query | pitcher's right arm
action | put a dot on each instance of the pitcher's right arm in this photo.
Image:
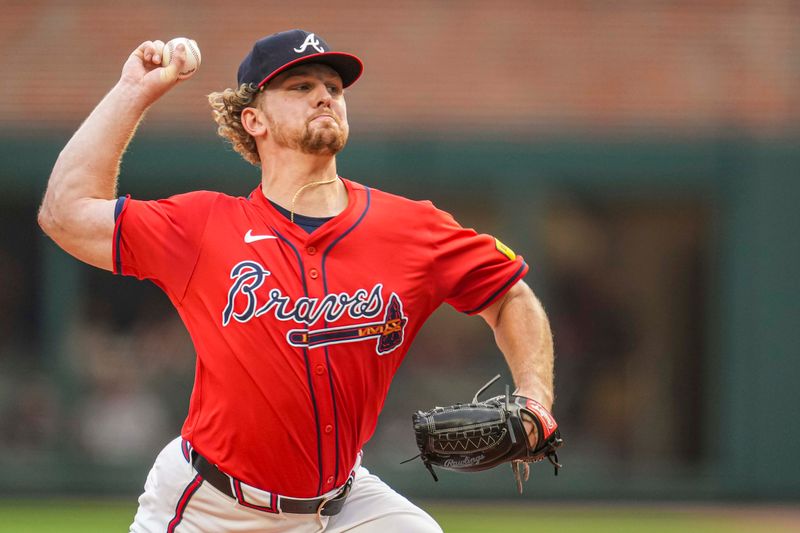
(77, 211)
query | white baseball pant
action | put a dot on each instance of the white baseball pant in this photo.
(176, 500)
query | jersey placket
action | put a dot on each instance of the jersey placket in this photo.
(311, 250)
(316, 248)
(320, 372)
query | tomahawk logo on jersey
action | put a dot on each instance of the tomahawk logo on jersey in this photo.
(309, 324)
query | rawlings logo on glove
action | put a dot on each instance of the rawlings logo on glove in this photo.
(481, 435)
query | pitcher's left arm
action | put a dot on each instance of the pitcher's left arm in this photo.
(522, 332)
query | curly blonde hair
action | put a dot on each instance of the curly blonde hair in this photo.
(227, 106)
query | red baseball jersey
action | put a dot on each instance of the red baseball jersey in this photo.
(298, 335)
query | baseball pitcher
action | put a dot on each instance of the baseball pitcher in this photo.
(301, 299)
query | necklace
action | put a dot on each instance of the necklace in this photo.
(301, 189)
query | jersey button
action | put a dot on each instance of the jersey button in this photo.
(319, 370)
(313, 273)
(328, 428)
(311, 250)
(330, 480)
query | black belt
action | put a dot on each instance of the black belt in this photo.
(222, 482)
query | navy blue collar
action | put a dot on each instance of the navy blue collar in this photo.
(309, 224)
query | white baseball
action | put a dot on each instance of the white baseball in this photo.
(193, 57)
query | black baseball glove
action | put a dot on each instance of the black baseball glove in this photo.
(481, 435)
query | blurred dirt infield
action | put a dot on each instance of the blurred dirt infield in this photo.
(86, 516)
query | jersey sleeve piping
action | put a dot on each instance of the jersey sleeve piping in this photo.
(119, 210)
(521, 271)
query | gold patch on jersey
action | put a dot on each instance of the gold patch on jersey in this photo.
(505, 250)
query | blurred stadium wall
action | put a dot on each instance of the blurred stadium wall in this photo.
(643, 156)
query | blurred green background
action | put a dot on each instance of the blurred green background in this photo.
(642, 156)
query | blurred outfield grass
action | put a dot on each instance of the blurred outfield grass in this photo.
(79, 516)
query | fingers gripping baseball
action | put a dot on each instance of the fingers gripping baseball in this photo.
(151, 72)
(151, 51)
(166, 59)
(190, 57)
(171, 68)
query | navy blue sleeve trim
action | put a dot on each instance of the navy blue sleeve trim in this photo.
(118, 236)
(119, 206)
(498, 291)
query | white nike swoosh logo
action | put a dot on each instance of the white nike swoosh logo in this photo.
(249, 237)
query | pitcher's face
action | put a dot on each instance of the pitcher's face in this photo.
(306, 110)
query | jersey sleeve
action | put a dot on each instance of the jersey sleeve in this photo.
(160, 240)
(471, 270)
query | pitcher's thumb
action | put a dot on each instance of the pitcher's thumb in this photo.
(171, 71)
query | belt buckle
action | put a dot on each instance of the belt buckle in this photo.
(346, 489)
(342, 494)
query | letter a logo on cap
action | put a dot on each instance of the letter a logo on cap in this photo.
(311, 41)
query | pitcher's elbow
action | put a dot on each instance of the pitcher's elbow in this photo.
(47, 220)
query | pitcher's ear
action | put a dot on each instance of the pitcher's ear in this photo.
(254, 121)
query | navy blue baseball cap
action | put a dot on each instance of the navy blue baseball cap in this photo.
(281, 51)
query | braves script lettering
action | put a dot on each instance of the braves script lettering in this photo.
(248, 276)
